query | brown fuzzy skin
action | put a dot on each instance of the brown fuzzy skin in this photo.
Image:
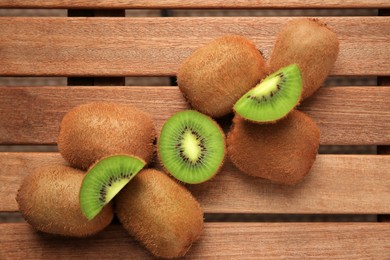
(49, 200)
(96, 130)
(283, 152)
(159, 213)
(216, 75)
(310, 44)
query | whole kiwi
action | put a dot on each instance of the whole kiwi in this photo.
(283, 152)
(49, 200)
(92, 131)
(159, 213)
(310, 44)
(216, 75)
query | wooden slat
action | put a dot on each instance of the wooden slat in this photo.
(172, 4)
(345, 115)
(219, 240)
(351, 115)
(156, 46)
(357, 184)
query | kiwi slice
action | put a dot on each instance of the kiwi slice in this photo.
(273, 98)
(282, 152)
(49, 201)
(104, 180)
(310, 44)
(160, 214)
(191, 146)
(217, 74)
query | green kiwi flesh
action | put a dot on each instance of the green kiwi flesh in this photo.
(191, 147)
(159, 213)
(49, 200)
(216, 75)
(104, 180)
(283, 152)
(273, 98)
(95, 130)
(310, 44)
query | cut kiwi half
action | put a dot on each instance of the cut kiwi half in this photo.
(273, 98)
(191, 147)
(104, 180)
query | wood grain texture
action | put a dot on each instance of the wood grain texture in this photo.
(356, 184)
(172, 4)
(219, 240)
(96, 46)
(345, 115)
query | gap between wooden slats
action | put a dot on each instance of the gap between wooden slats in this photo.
(156, 46)
(16, 217)
(173, 4)
(202, 12)
(165, 81)
(323, 149)
(337, 184)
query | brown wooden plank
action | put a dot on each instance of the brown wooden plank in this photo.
(98, 81)
(173, 4)
(351, 115)
(356, 184)
(219, 240)
(156, 46)
(345, 115)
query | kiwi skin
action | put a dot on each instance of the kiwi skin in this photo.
(92, 131)
(49, 201)
(159, 213)
(216, 75)
(310, 44)
(283, 152)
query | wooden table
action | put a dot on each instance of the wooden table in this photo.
(98, 51)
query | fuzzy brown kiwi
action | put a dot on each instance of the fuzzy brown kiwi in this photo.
(283, 152)
(96, 130)
(49, 200)
(216, 75)
(159, 213)
(310, 44)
